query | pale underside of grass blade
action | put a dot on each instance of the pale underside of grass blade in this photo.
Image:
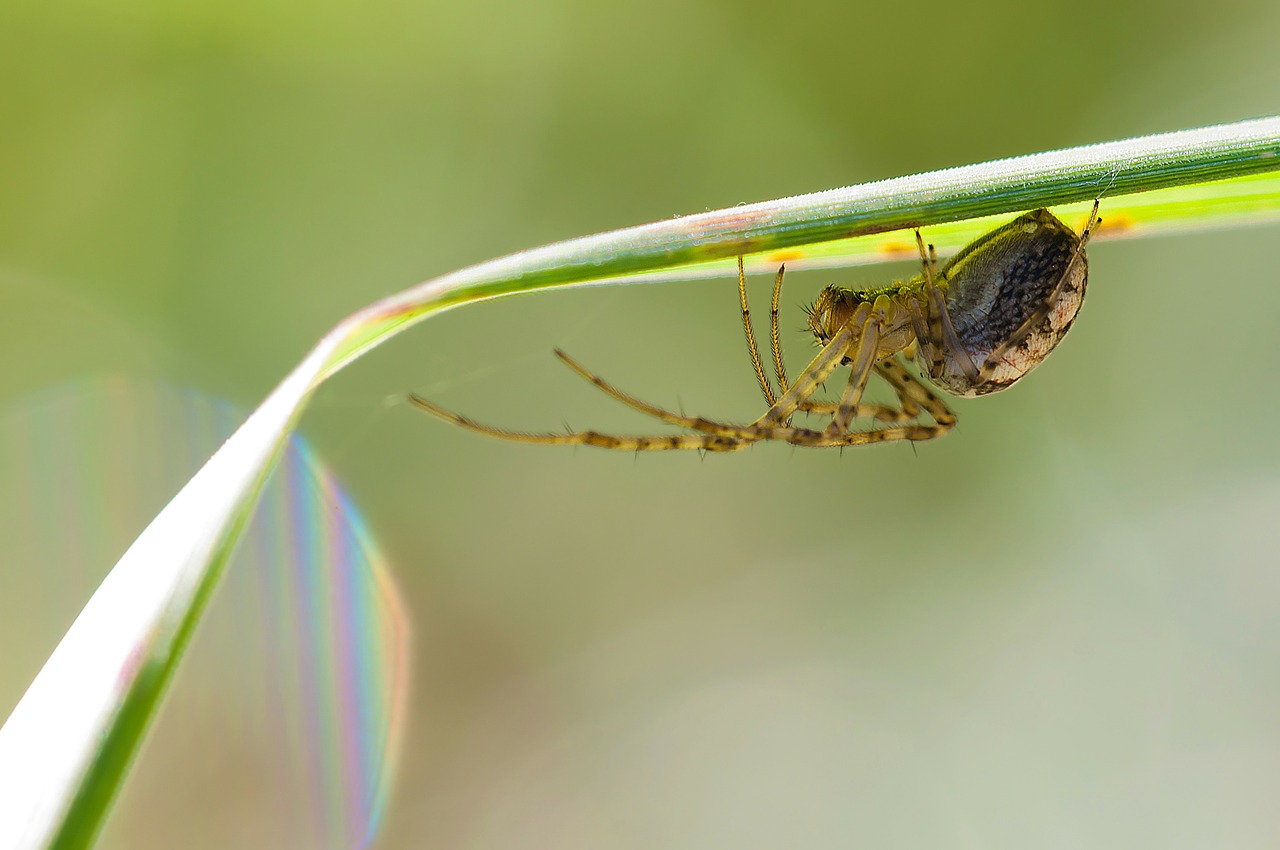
(66, 747)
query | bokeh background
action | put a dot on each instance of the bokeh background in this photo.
(1059, 626)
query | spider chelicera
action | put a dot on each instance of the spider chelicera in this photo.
(974, 326)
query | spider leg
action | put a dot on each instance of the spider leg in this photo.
(704, 442)
(694, 423)
(914, 395)
(937, 327)
(725, 438)
(751, 336)
(1033, 321)
(866, 410)
(927, 259)
(808, 381)
(863, 359)
(923, 349)
(773, 333)
(911, 433)
(928, 324)
(725, 429)
(944, 331)
(891, 371)
(859, 373)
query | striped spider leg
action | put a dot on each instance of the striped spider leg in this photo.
(978, 324)
(711, 435)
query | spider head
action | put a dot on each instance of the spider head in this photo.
(833, 309)
(837, 308)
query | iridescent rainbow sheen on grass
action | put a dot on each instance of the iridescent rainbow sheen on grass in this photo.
(304, 659)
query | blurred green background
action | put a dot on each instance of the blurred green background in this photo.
(1058, 626)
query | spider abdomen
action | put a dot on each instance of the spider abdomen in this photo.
(1032, 270)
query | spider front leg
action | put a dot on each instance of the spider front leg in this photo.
(775, 339)
(861, 366)
(771, 426)
(861, 354)
(808, 381)
(693, 423)
(774, 336)
(703, 442)
(715, 436)
(751, 335)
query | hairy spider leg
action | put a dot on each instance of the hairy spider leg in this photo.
(808, 381)
(705, 442)
(925, 318)
(860, 369)
(927, 260)
(882, 412)
(867, 409)
(950, 339)
(712, 426)
(911, 392)
(821, 367)
(774, 338)
(940, 328)
(1033, 321)
(765, 428)
(694, 423)
(915, 394)
(751, 337)
(913, 432)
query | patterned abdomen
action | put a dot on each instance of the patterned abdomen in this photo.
(998, 284)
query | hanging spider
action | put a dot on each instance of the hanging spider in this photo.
(975, 326)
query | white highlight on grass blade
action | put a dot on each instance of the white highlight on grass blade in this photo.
(133, 622)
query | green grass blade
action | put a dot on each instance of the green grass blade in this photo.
(67, 746)
(1170, 162)
(1240, 201)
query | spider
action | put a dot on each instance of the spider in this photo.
(974, 326)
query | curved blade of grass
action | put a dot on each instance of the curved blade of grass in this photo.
(67, 745)
(1241, 201)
